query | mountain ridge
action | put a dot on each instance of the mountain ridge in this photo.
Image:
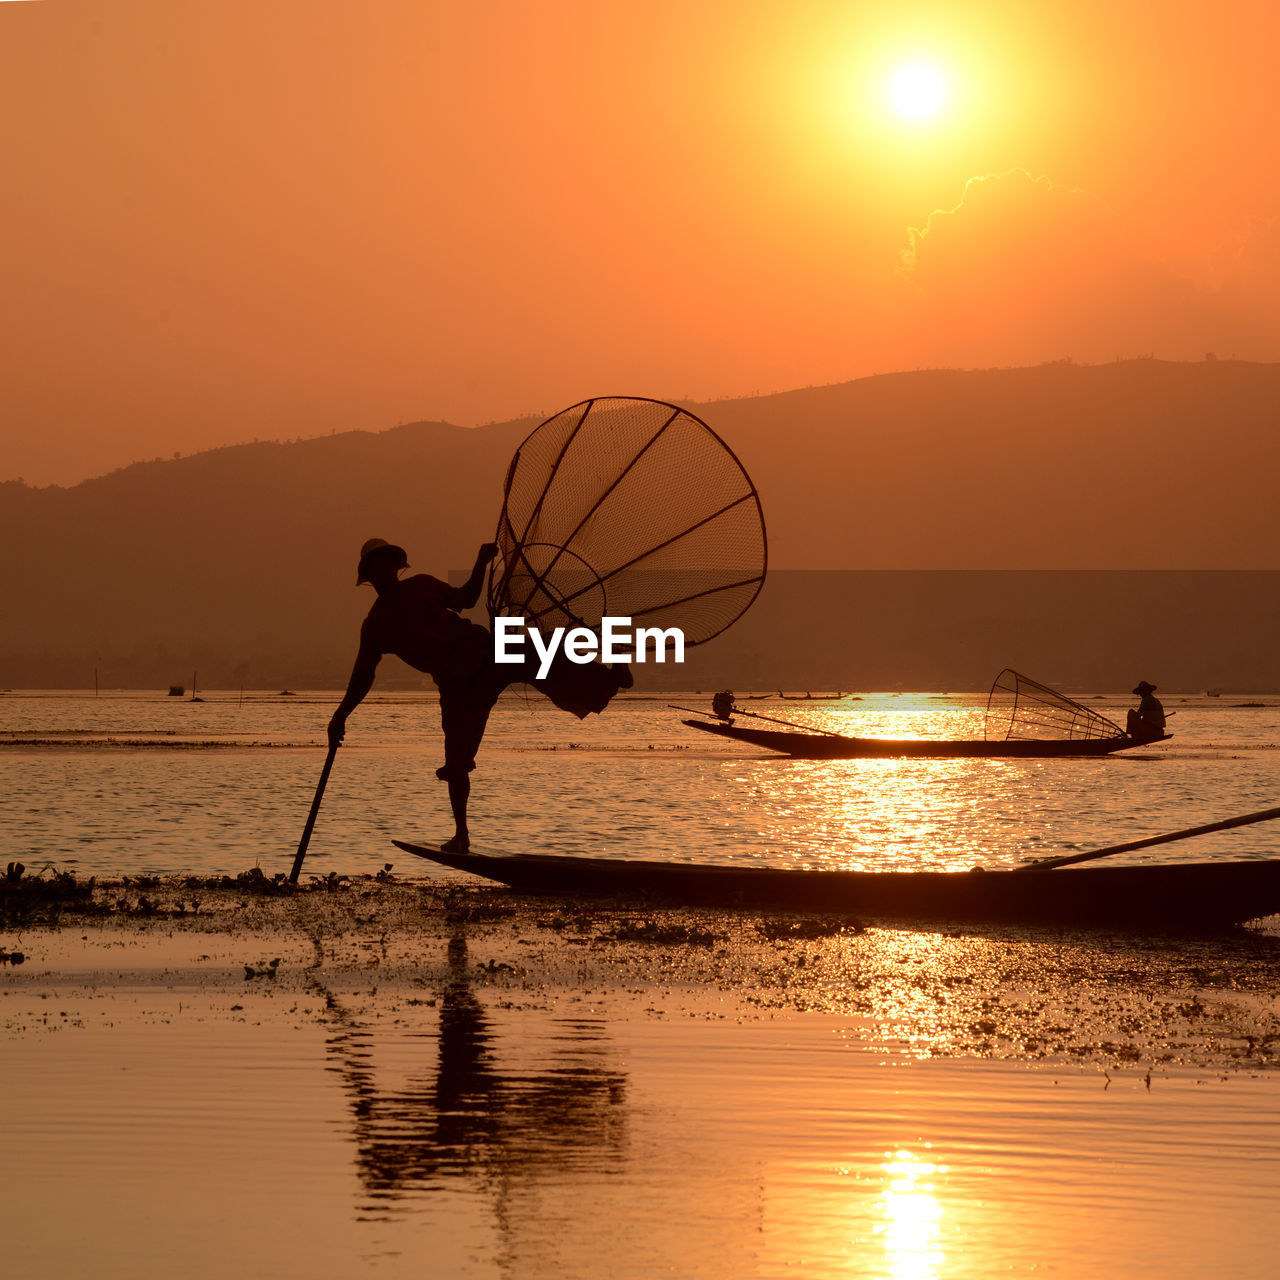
(246, 553)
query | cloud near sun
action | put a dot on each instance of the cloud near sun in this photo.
(1024, 269)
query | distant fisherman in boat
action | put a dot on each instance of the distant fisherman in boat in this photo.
(417, 619)
(1147, 720)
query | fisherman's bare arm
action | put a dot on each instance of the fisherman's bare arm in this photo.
(469, 592)
(362, 675)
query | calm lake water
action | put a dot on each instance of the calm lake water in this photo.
(132, 782)
(473, 1140)
(164, 1115)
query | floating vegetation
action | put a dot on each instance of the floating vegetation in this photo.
(460, 910)
(256, 881)
(582, 922)
(610, 748)
(809, 928)
(331, 883)
(167, 741)
(263, 969)
(41, 898)
(143, 907)
(670, 935)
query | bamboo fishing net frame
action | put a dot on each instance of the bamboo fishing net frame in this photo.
(628, 507)
(1019, 707)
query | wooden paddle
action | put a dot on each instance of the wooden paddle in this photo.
(1048, 864)
(311, 817)
(755, 715)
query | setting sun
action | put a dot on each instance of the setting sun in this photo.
(917, 90)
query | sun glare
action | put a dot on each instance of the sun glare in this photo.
(917, 90)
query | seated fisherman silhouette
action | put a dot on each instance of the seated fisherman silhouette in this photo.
(722, 705)
(1147, 719)
(417, 619)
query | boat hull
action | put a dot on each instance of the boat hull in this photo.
(819, 746)
(1190, 895)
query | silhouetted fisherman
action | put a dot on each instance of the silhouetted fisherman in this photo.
(417, 620)
(1147, 720)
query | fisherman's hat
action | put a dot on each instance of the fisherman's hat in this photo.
(372, 547)
(1144, 687)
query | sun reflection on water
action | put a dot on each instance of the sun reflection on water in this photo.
(897, 814)
(912, 1217)
(881, 815)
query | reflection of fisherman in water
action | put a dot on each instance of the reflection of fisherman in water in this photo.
(417, 620)
(473, 1117)
(1147, 719)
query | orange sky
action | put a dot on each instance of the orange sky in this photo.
(238, 219)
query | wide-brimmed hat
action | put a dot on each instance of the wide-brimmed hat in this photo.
(373, 547)
(1144, 687)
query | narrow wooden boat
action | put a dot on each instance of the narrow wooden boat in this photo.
(823, 746)
(1179, 896)
(1024, 718)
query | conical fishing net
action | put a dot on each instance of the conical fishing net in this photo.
(1020, 708)
(632, 509)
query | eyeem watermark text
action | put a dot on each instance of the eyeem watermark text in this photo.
(617, 642)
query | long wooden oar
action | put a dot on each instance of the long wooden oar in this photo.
(311, 817)
(755, 715)
(1263, 815)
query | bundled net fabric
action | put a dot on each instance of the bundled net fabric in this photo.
(628, 508)
(1020, 708)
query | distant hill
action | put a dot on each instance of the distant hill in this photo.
(241, 561)
(1135, 465)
